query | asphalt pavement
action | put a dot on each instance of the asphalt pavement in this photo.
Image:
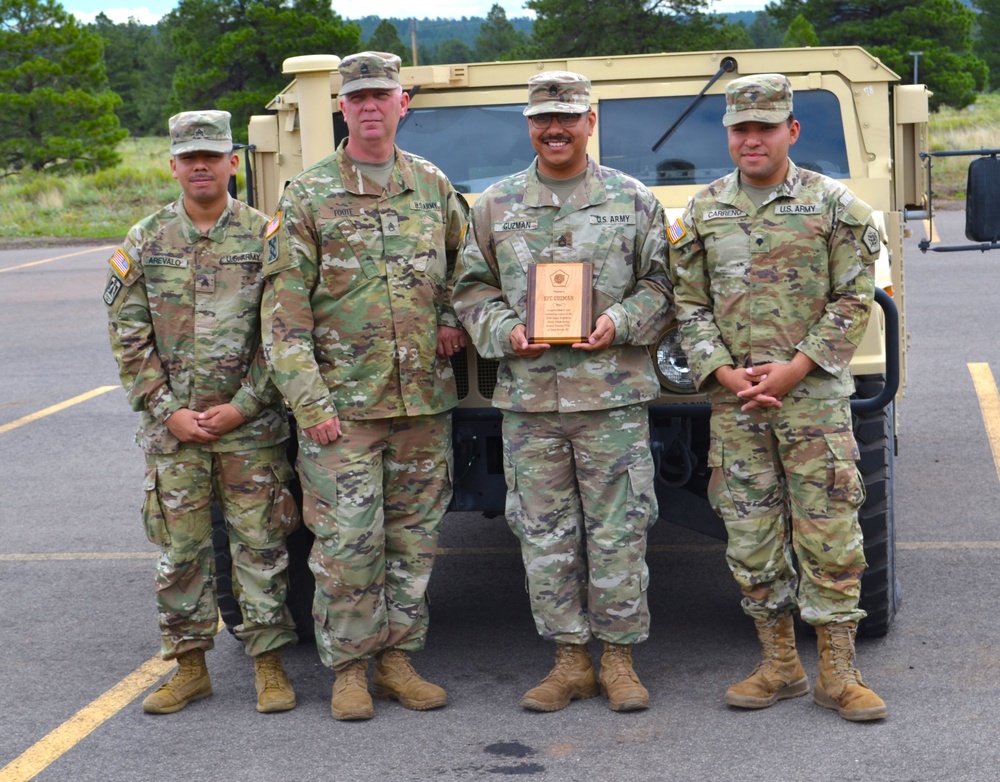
(77, 616)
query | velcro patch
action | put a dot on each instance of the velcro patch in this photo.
(120, 262)
(798, 209)
(623, 219)
(676, 231)
(871, 239)
(272, 249)
(515, 225)
(112, 290)
(272, 226)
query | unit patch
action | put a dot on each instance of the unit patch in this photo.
(121, 263)
(676, 231)
(272, 249)
(871, 239)
(111, 292)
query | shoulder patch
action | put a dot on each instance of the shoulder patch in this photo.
(272, 226)
(112, 290)
(120, 263)
(676, 231)
(870, 239)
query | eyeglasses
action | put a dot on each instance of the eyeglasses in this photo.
(542, 121)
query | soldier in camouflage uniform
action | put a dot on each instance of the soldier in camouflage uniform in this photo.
(183, 297)
(575, 425)
(359, 330)
(773, 286)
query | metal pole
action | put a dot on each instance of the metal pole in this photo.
(916, 66)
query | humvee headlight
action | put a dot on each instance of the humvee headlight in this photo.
(671, 363)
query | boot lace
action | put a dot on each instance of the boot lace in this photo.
(617, 662)
(270, 671)
(842, 654)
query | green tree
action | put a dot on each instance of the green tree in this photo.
(891, 29)
(764, 32)
(497, 39)
(987, 33)
(140, 65)
(578, 28)
(58, 111)
(386, 39)
(453, 51)
(231, 51)
(800, 33)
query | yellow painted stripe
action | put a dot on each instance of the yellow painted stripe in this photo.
(989, 404)
(102, 248)
(82, 556)
(56, 408)
(43, 753)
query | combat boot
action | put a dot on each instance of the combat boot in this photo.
(189, 683)
(274, 691)
(351, 700)
(395, 679)
(571, 679)
(839, 686)
(779, 675)
(619, 681)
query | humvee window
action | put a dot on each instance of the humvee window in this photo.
(475, 146)
(697, 153)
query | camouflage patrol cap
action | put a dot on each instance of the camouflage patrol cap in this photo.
(765, 97)
(369, 71)
(558, 92)
(200, 131)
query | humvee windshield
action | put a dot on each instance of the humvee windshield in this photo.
(478, 145)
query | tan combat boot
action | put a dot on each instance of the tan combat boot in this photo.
(779, 675)
(395, 679)
(571, 679)
(619, 681)
(189, 683)
(839, 686)
(351, 700)
(274, 691)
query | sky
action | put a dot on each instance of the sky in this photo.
(151, 10)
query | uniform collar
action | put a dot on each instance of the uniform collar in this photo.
(590, 192)
(353, 181)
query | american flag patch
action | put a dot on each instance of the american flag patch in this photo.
(272, 226)
(121, 263)
(676, 232)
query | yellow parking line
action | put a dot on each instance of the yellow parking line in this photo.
(56, 408)
(102, 248)
(44, 752)
(989, 404)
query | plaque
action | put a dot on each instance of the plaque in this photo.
(559, 302)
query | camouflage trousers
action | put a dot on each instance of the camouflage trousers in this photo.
(252, 490)
(785, 482)
(375, 499)
(580, 499)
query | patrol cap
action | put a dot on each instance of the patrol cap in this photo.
(765, 97)
(558, 92)
(200, 131)
(369, 71)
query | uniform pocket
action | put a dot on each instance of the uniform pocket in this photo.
(152, 513)
(846, 488)
(284, 512)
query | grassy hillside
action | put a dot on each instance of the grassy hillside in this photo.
(108, 203)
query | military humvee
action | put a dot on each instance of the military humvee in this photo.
(658, 119)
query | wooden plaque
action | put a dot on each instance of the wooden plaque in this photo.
(559, 302)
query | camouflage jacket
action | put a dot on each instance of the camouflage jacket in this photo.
(184, 317)
(358, 281)
(610, 220)
(757, 285)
